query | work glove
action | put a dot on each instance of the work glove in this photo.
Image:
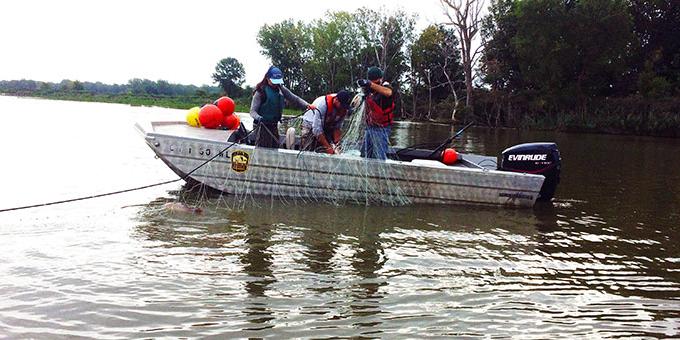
(363, 82)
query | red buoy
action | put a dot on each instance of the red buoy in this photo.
(226, 105)
(210, 116)
(231, 122)
(449, 156)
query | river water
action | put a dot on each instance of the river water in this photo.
(601, 261)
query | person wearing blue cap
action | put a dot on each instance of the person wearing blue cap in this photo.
(321, 127)
(266, 108)
(379, 114)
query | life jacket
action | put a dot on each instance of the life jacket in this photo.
(329, 109)
(377, 115)
(271, 108)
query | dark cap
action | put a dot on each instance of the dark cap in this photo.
(374, 73)
(344, 97)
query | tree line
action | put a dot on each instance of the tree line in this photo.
(134, 86)
(606, 65)
(333, 52)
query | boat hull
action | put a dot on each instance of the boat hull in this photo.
(243, 170)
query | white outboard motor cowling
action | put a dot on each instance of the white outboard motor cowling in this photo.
(535, 158)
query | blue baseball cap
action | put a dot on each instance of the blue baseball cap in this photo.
(275, 75)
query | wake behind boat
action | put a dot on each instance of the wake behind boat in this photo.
(527, 172)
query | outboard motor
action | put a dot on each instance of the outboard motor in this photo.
(535, 158)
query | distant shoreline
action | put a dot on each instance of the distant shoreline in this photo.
(170, 102)
(654, 125)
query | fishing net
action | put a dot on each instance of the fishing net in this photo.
(300, 177)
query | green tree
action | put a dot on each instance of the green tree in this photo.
(164, 88)
(78, 86)
(45, 87)
(657, 27)
(573, 50)
(229, 74)
(436, 65)
(66, 85)
(557, 52)
(499, 62)
(329, 54)
(546, 55)
(287, 44)
(334, 49)
(385, 38)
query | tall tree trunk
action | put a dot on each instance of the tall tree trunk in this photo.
(455, 97)
(429, 94)
(468, 86)
(413, 104)
(413, 89)
(465, 16)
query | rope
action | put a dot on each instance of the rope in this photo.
(87, 197)
(126, 190)
(263, 126)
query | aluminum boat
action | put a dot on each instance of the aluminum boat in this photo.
(525, 174)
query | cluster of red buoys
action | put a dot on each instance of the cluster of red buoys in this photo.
(212, 116)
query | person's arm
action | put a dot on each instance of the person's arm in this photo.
(322, 139)
(382, 89)
(293, 98)
(337, 130)
(255, 105)
(337, 133)
(317, 122)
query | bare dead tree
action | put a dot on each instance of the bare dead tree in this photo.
(384, 44)
(466, 17)
(429, 93)
(413, 80)
(447, 51)
(453, 91)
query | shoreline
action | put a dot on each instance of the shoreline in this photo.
(185, 102)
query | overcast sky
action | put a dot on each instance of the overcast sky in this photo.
(181, 42)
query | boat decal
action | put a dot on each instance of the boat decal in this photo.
(239, 160)
(539, 157)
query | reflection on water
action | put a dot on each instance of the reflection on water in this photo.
(431, 269)
(601, 261)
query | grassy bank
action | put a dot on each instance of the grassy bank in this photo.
(172, 102)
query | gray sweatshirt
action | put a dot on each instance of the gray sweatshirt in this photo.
(257, 101)
(315, 119)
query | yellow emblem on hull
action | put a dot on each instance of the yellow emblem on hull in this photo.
(239, 161)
